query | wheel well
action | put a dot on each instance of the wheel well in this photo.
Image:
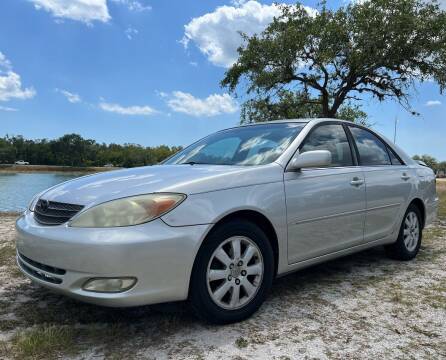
(261, 221)
(420, 205)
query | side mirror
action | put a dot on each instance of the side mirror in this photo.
(310, 159)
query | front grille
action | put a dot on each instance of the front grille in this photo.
(47, 268)
(54, 213)
(46, 272)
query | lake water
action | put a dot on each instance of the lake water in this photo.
(17, 189)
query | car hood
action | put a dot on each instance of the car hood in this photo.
(186, 179)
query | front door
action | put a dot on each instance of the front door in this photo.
(325, 206)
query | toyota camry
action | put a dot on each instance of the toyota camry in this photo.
(215, 223)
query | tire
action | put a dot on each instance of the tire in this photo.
(409, 238)
(244, 287)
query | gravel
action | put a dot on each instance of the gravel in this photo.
(362, 306)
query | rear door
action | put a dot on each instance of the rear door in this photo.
(325, 206)
(388, 183)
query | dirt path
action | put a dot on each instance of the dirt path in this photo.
(360, 307)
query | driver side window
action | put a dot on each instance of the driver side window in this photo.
(330, 137)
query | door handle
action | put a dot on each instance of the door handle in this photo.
(405, 176)
(356, 181)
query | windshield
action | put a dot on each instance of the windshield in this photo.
(249, 145)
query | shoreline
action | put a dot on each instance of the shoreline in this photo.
(10, 213)
(12, 168)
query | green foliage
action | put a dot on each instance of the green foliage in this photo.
(441, 167)
(438, 167)
(318, 64)
(73, 150)
(291, 105)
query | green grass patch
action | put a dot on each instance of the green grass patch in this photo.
(436, 301)
(4, 349)
(7, 259)
(400, 298)
(8, 325)
(431, 233)
(7, 255)
(241, 343)
(43, 342)
(441, 191)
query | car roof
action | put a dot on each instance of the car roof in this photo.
(282, 121)
(301, 121)
(288, 121)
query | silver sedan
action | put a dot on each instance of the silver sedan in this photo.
(218, 221)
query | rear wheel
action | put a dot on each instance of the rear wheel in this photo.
(409, 238)
(232, 274)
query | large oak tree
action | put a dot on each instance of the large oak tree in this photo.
(322, 64)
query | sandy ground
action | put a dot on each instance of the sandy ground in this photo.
(363, 306)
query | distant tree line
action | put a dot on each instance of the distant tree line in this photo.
(438, 166)
(74, 150)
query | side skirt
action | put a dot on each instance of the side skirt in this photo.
(323, 258)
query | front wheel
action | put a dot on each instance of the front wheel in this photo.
(232, 274)
(409, 237)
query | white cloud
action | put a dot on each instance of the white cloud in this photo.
(131, 32)
(85, 11)
(216, 34)
(71, 97)
(433, 103)
(133, 5)
(4, 62)
(129, 110)
(211, 106)
(11, 87)
(5, 108)
(11, 83)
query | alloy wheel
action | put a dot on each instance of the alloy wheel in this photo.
(235, 272)
(411, 232)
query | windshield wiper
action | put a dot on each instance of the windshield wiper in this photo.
(202, 163)
(193, 163)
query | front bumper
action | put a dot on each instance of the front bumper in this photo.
(63, 258)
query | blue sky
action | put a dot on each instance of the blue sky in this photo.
(148, 72)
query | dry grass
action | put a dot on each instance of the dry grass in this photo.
(7, 253)
(441, 190)
(362, 306)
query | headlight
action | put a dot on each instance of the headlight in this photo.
(127, 211)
